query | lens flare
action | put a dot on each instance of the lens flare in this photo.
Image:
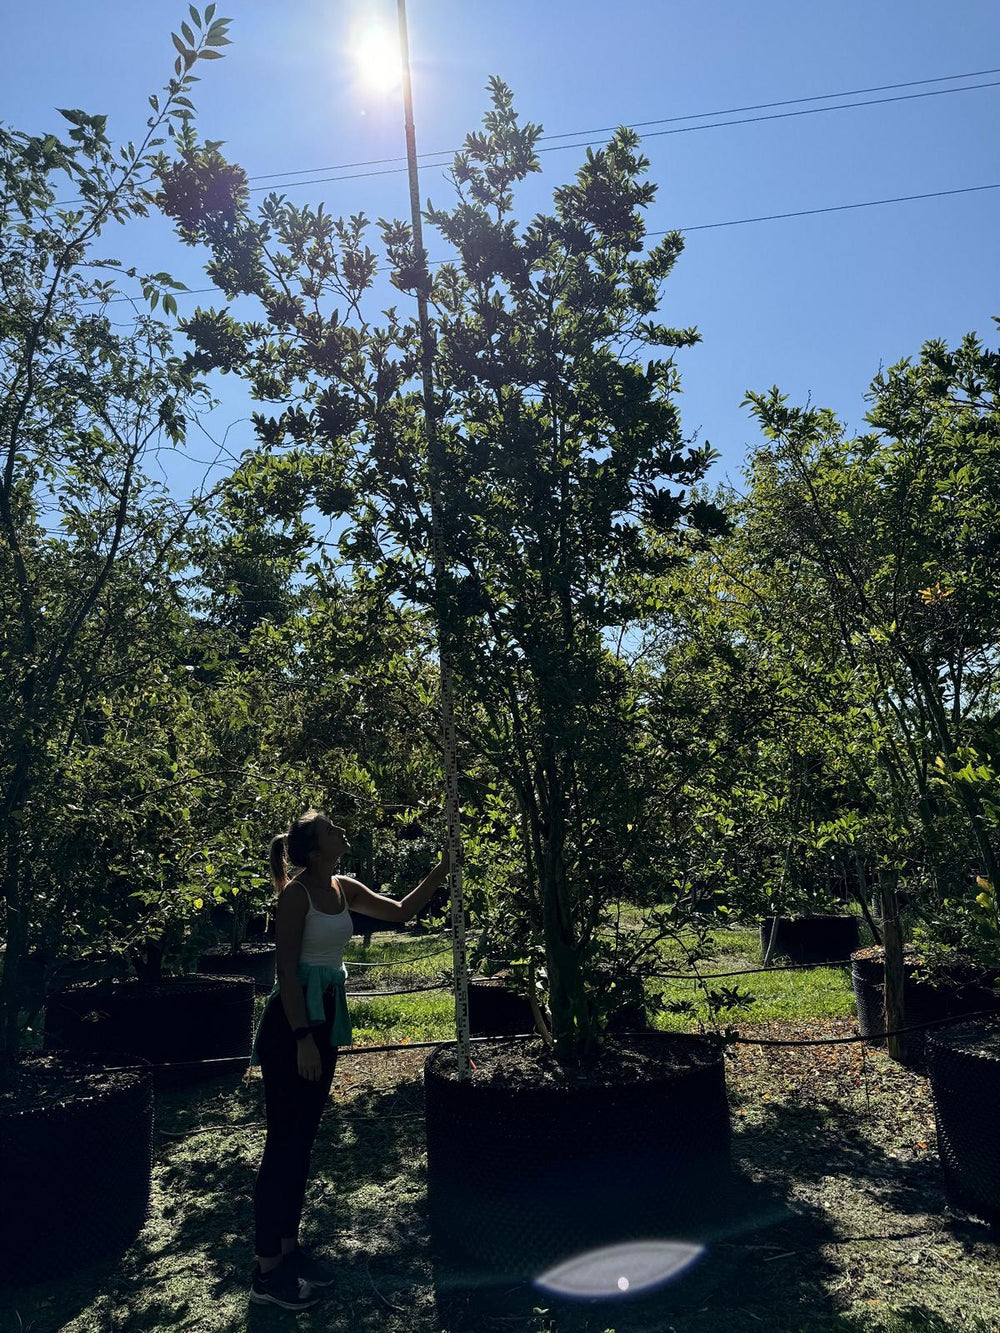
(616, 1270)
(376, 54)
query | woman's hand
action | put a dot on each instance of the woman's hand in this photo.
(309, 1062)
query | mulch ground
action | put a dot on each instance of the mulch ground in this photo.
(842, 1225)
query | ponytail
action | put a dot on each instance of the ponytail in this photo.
(292, 848)
(279, 861)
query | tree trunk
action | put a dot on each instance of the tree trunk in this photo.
(892, 939)
(862, 897)
(574, 1034)
(16, 895)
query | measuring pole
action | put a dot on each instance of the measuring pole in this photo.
(439, 545)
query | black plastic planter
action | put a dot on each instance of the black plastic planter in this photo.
(495, 1011)
(524, 1172)
(199, 1026)
(256, 961)
(922, 1003)
(964, 1067)
(75, 1162)
(811, 939)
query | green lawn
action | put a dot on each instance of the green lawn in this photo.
(823, 992)
(808, 994)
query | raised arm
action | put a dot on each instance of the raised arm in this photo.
(360, 898)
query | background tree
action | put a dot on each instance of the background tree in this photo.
(85, 535)
(877, 556)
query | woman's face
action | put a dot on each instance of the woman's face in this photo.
(331, 840)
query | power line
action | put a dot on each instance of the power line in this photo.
(639, 125)
(663, 120)
(704, 226)
(655, 134)
(831, 208)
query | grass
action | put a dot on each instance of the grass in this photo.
(844, 1228)
(823, 992)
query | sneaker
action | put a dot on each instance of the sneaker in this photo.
(310, 1269)
(281, 1286)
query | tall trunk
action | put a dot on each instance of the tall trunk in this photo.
(862, 896)
(574, 1031)
(16, 897)
(892, 937)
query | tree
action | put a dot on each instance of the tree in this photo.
(877, 556)
(566, 469)
(88, 542)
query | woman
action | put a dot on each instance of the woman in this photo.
(304, 1021)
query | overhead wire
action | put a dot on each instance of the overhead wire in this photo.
(593, 134)
(703, 226)
(589, 135)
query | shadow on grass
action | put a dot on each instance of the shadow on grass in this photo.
(770, 1259)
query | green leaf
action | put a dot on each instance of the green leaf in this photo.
(181, 48)
(188, 34)
(195, 16)
(209, 11)
(210, 55)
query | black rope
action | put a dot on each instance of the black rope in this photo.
(869, 1038)
(398, 962)
(748, 971)
(409, 990)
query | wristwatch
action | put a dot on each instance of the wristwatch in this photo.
(299, 1033)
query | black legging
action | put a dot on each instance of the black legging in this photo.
(293, 1106)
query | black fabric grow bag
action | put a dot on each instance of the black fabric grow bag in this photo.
(181, 1021)
(74, 1170)
(811, 939)
(256, 961)
(495, 1011)
(922, 1003)
(964, 1067)
(520, 1177)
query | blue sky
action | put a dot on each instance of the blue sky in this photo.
(813, 304)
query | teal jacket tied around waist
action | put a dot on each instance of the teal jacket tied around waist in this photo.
(315, 981)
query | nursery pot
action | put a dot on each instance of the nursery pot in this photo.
(495, 1011)
(256, 961)
(529, 1163)
(76, 1151)
(200, 1025)
(922, 1003)
(811, 939)
(964, 1067)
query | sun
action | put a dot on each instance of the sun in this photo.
(376, 54)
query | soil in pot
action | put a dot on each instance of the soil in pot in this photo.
(187, 1027)
(530, 1163)
(964, 1067)
(922, 1002)
(76, 1148)
(496, 1011)
(811, 939)
(256, 961)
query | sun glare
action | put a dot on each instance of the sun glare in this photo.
(376, 52)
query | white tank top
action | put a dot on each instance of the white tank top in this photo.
(325, 934)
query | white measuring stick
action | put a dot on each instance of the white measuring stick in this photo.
(435, 465)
